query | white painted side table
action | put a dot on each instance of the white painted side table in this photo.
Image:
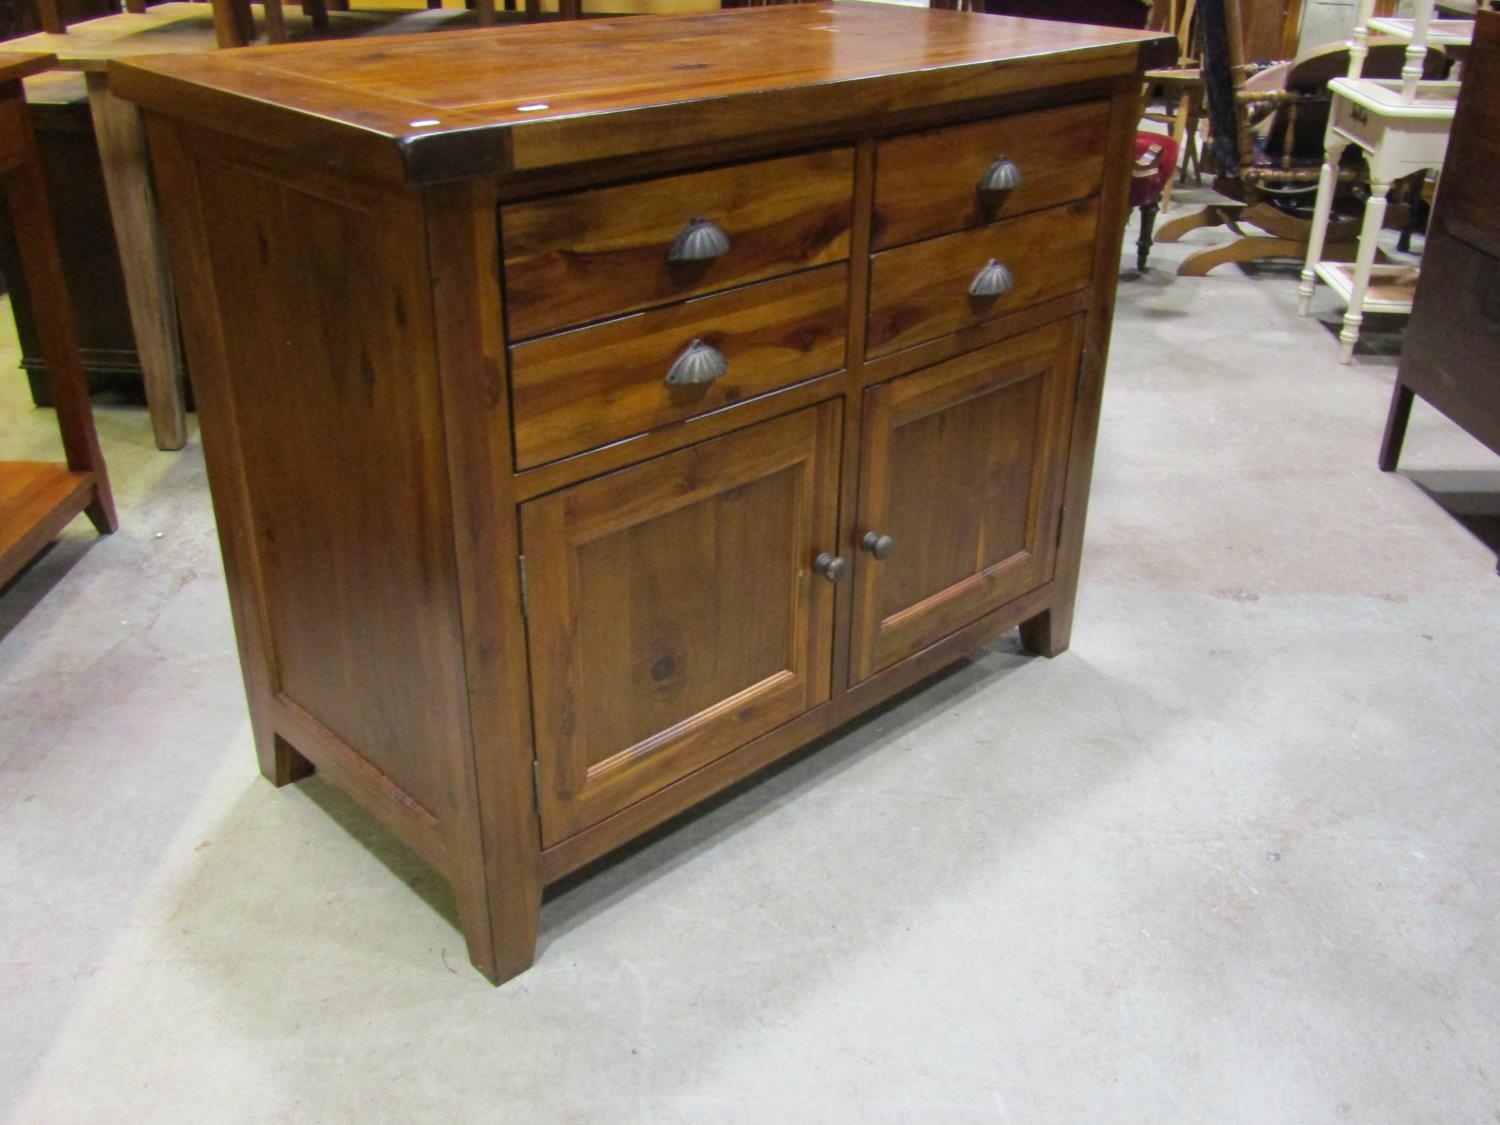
(1398, 138)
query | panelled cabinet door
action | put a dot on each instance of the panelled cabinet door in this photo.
(962, 468)
(673, 611)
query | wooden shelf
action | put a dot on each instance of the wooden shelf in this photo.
(1391, 289)
(37, 500)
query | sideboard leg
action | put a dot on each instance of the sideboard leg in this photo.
(280, 762)
(501, 932)
(1047, 634)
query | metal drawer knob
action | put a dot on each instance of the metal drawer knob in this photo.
(830, 567)
(1003, 175)
(880, 546)
(699, 241)
(992, 281)
(699, 365)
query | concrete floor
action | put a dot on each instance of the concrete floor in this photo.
(1234, 858)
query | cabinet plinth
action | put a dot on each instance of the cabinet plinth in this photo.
(578, 449)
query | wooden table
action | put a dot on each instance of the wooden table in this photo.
(39, 499)
(176, 28)
(586, 435)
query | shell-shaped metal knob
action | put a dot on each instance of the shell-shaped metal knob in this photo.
(830, 567)
(880, 546)
(992, 281)
(1003, 175)
(699, 241)
(698, 365)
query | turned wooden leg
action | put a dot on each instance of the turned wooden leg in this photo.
(1048, 633)
(1369, 240)
(1395, 427)
(1143, 244)
(1327, 185)
(143, 260)
(280, 762)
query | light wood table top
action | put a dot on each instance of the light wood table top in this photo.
(187, 28)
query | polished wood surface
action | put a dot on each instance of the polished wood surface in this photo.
(963, 469)
(575, 258)
(427, 109)
(39, 499)
(579, 390)
(921, 291)
(926, 183)
(640, 578)
(571, 599)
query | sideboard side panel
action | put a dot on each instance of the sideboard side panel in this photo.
(309, 321)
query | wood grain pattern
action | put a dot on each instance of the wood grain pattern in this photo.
(583, 389)
(574, 609)
(513, 99)
(350, 521)
(575, 258)
(921, 291)
(926, 184)
(637, 579)
(963, 467)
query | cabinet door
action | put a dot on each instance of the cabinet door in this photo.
(962, 466)
(673, 612)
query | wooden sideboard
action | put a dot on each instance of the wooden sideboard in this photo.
(595, 413)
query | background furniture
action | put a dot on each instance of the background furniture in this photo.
(59, 109)
(1400, 128)
(661, 427)
(37, 500)
(1449, 357)
(1267, 132)
(1155, 161)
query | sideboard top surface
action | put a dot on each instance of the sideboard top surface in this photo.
(430, 108)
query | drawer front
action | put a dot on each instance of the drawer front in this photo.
(577, 258)
(929, 184)
(962, 466)
(921, 291)
(579, 390)
(674, 613)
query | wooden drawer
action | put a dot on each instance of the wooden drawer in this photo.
(576, 258)
(921, 291)
(927, 184)
(583, 389)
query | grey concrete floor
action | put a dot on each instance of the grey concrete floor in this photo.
(1233, 858)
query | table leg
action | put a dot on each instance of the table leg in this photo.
(1395, 427)
(1327, 185)
(484, 13)
(275, 21)
(1369, 239)
(51, 17)
(143, 260)
(52, 309)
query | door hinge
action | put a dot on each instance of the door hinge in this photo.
(1062, 515)
(521, 566)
